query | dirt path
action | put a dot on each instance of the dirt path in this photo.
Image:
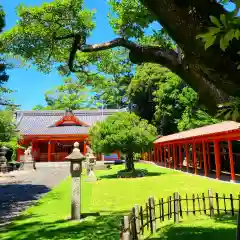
(18, 190)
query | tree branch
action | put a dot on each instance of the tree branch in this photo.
(72, 35)
(139, 54)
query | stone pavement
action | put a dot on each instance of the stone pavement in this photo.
(19, 189)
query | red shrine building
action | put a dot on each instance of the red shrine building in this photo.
(212, 149)
(52, 133)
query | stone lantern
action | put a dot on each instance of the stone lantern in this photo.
(76, 158)
(91, 162)
(3, 159)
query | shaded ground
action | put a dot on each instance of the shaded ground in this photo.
(19, 189)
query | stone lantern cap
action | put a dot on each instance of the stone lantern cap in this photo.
(76, 154)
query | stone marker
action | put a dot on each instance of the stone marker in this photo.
(76, 159)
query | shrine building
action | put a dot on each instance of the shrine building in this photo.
(52, 133)
(208, 150)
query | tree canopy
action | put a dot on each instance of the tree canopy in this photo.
(57, 33)
(162, 98)
(124, 132)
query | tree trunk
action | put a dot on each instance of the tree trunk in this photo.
(184, 20)
(129, 164)
(201, 69)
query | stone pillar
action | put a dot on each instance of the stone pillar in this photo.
(75, 159)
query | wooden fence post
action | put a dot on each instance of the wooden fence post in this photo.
(141, 219)
(137, 221)
(210, 196)
(126, 230)
(152, 214)
(238, 220)
(133, 230)
(176, 207)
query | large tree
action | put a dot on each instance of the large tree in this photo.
(124, 132)
(162, 98)
(58, 32)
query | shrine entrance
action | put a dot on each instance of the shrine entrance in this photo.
(57, 151)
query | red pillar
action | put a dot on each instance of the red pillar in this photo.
(165, 156)
(119, 155)
(231, 160)
(200, 155)
(174, 156)
(180, 155)
(217, 158)
(160, 152)
(84, 147)
(204, 159)
(49, 151)
(208, 156)
(194, 157)
(169, 155)
(187, 155)
(156, 154)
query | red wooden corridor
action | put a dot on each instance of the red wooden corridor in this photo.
(213, 148)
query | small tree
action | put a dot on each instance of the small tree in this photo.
(124, 132)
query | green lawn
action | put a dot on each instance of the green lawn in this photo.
(105, 201)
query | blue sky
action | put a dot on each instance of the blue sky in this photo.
(31, 84)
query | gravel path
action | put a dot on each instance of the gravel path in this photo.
(19, 189)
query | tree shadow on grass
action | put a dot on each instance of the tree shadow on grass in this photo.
(196, 233)
(120, 175)
(106, 227)
(181, 232)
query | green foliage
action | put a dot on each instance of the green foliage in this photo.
(8, 132)
(164, 99)
(230, 110)
(33, 37)
(226, 29)
(124, 132)
(129, 18)
(111, 87)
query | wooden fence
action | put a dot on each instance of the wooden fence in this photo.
(145, 218)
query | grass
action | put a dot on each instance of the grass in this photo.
(105, 202)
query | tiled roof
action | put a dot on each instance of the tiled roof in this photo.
(202, 131)
(42, 122)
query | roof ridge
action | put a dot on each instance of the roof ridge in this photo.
(62, 112)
